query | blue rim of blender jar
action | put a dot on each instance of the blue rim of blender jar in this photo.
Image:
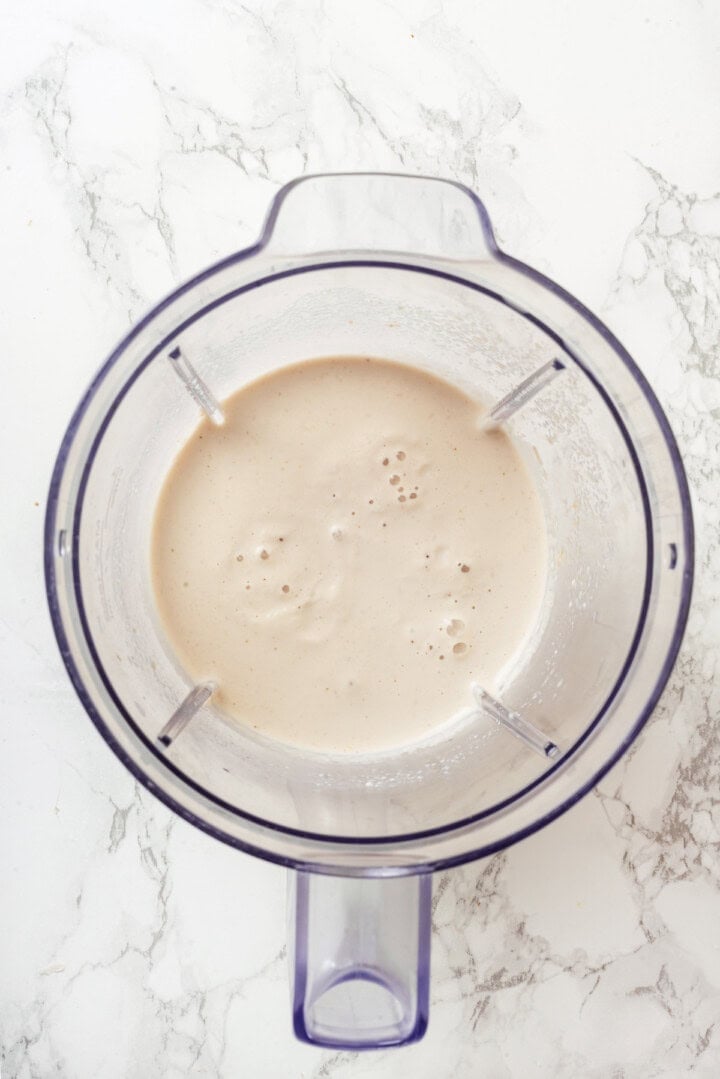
(405, 838)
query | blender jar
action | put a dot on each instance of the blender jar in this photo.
(405, 268)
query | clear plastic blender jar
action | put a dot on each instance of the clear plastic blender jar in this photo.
(405, 268)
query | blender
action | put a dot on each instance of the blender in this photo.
(405, 268)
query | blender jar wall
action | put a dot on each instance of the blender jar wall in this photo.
(86, 500)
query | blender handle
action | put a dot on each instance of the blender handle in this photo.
(341, 212)
(360, 959)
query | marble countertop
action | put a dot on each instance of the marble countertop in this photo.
(141, 141)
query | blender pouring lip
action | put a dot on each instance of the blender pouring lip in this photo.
(385, 842)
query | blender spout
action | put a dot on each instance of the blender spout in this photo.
(514, 722)
(523, 392)
(185, 711)
(196, 386)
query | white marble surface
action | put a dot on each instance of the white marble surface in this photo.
(140, 141)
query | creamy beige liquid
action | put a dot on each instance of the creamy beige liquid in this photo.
(347, 554)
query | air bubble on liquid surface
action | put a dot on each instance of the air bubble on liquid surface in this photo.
(336, 532)
(454, 627)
